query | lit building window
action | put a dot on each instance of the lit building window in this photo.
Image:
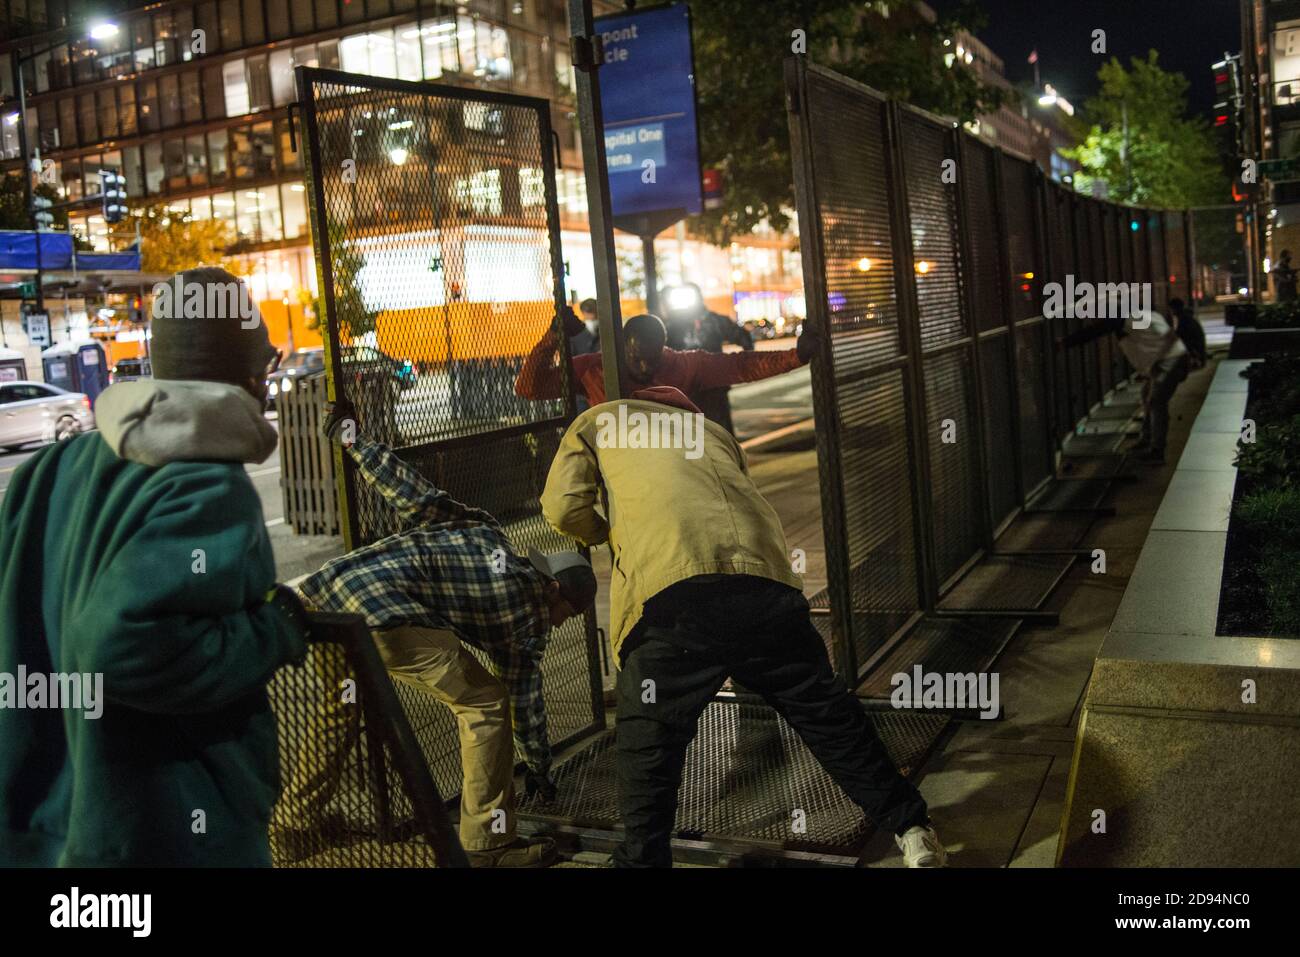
(480, 192)
(532, 187)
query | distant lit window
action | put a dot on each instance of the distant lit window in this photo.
(236, 85)
(532, 187)
(484, 117)
(480, 192)
(438, 42)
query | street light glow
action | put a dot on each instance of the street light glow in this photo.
(864, 264)
(103, 31)
(398, 155)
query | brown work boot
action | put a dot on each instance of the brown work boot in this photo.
(521, 852)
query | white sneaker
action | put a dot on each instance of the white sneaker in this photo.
(921, 848)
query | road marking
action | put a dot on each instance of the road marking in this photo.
(272, 469)
(275, 521)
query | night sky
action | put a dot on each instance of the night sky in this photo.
(1189, 34)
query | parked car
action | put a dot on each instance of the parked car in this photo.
(36, 412)
(296, 364)
(129, 369)
(363, 360)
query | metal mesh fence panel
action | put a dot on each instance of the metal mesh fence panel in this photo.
(354, 791)
(997, 382)
(1060, 257)
(1022, 249)
(1176, 245)
(1109, 273)
(1033, 349)
(1020, 187)
(988, 282)
(980, 207)
(1155, 229)
(436, 231)
(956, 480)
(1099, 223)
(842, 175)
(1089, 224)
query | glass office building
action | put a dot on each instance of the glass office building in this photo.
(190, 102)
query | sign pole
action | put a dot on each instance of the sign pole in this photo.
(651, 274)
(586, 51)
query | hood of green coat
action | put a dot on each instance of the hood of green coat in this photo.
(156, 421)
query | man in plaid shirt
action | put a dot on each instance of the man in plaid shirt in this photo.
(451, 576)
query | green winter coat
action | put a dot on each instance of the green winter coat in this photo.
(139, 553)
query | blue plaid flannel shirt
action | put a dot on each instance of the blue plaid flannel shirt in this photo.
(451, 567)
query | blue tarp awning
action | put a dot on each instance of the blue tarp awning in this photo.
(18, 250)
(94, 262)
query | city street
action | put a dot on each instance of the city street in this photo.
(761, 411)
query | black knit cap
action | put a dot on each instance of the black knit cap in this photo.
(205, 326)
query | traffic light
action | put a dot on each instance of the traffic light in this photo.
(42, 213)
(1227, 97)
(135, 310)
(112, 186)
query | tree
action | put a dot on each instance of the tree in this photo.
(13, 208)
(171, 243)
(739, 49)
(1167, 159)
(355, 319)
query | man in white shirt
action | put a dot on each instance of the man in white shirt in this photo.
(1153, 348)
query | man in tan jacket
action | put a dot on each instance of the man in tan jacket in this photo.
(702, 590)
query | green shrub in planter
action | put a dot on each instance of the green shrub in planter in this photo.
(1273, 459)
(1274, 388)
(1272, 518)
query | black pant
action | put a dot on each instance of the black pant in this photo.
(691, 638)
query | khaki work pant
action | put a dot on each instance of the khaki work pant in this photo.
(436, 661)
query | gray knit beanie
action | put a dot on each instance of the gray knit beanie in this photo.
(205, 326)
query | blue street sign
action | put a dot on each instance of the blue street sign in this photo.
(647, 94)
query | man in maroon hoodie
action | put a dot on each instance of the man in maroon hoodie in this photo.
(651, 363)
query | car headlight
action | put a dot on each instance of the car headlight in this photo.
(272, 390)
(287, 385)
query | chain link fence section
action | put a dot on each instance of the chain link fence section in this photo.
(987, 278)
(956, 490)
(355, 790)
(1058, 205)
(1021, 188)
(839, 133)
(1180, 267)
(436, 231)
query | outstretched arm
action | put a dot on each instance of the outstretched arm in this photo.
(540, 377)
(413, 497)
(573, 490)
(712, 370)
(522, 676)
(1092, 331)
